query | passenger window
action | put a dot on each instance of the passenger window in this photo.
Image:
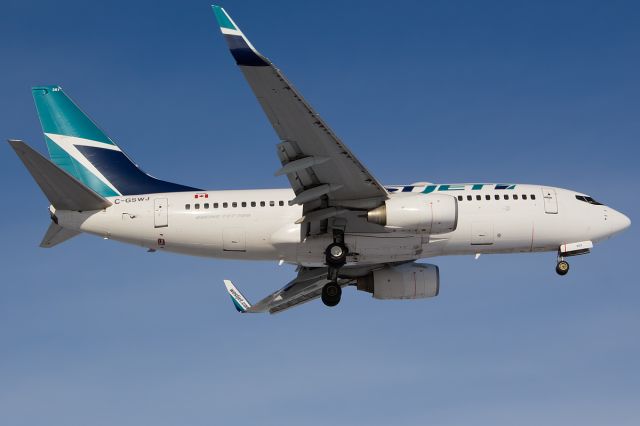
(460, 198)
(187, 206)
(505, 196)
(215, 205)
(272, 203)
(515, 196)
(234, 204)
(197, 206)
(524, 196)
(487, 197)
(533, 197)
(281, 203)
(253, 204)
(469, 198)
(478, 197)
(262, 204)
(225, 205)
(497, 196)
(206, 205)
(244, 204)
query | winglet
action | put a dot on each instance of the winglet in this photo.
(237, 298)
(241, 48)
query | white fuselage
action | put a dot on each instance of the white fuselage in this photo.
(260, 225)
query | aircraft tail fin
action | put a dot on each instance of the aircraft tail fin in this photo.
(79, 147)
(64, 191)
(56, 234)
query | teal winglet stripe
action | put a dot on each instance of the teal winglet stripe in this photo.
(237, 305)
(222, 18)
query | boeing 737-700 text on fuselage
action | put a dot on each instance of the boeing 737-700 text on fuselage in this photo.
(336, 222)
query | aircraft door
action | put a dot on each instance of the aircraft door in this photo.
(161, 212)
(550, 200)
(233, 239)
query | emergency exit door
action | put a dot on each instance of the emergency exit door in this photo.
(550, 200)
(160, 212)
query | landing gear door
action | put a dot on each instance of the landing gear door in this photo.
(550, 200)
(160, 212)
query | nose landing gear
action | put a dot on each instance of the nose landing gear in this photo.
(562, 267)
(335, 258)
(571, 249)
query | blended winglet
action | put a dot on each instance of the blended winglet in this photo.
(241, 48)
(239, 301)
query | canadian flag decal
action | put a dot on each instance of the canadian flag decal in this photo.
(201, 195)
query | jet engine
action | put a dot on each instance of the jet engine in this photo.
(432, 214)
(408, 281)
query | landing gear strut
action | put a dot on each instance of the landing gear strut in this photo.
(335, 258)
(562, 267)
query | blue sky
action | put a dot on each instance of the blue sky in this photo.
(547, 92)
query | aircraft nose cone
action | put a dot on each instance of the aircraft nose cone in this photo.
(619, 222)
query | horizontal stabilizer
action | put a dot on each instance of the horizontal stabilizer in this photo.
(63, 190)
(56, 234)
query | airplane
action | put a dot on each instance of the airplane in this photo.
(337, 223)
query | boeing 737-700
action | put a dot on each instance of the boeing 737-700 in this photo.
(336, 222)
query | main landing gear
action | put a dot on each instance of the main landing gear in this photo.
(335, 258)
(331, 293)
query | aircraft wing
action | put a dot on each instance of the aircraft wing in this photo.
(304, 288)
(324, 174)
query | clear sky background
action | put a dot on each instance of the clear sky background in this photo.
(97, 333)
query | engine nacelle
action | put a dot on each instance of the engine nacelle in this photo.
(432, 213)
(408, 281)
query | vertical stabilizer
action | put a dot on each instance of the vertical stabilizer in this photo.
(79, 147)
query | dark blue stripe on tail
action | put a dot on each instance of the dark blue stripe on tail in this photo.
(126, 176)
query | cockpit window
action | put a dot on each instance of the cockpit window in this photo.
(588, 200)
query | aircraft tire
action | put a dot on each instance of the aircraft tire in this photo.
(562, 268)
(331, 294)
(336, 254)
